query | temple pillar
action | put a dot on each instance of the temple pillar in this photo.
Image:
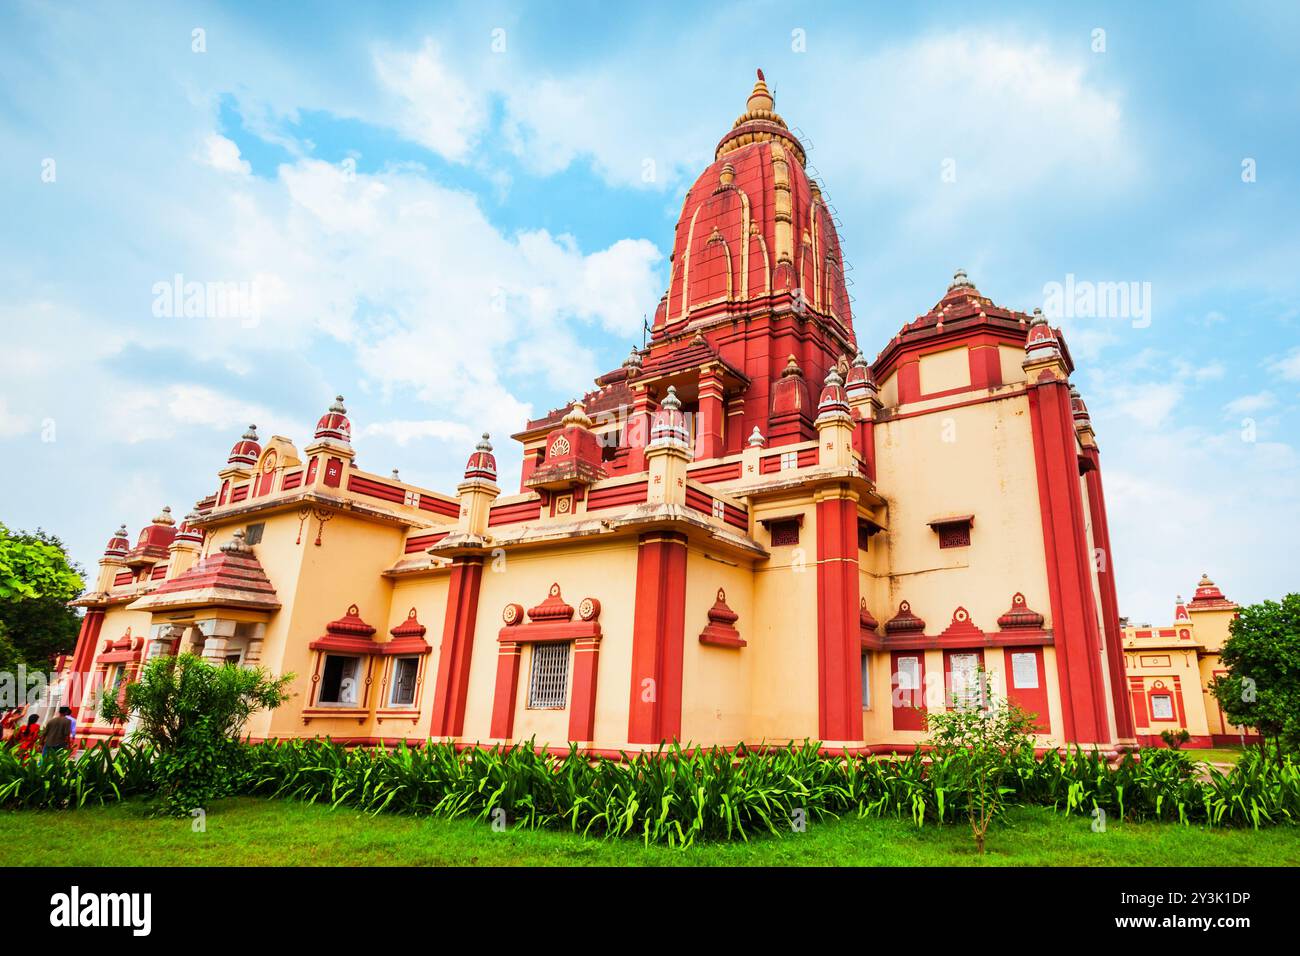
(658, 639)
(1109, 601)
(457, 646)
(839, 646)
(83, 657)
(1074, 619)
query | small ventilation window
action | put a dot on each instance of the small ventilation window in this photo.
(784, 533)
(253, 533)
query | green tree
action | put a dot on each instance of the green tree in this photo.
(37, 580)
(975, 750)
(1262, 686)
(193, 714)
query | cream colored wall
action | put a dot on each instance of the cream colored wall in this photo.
(944, 370)
(716, 681)
(315, 585)
(606, 572)
(784, 670)
(427, 593)
(986, 470)
(889, 391)
(1183, 664)
(1011, 359)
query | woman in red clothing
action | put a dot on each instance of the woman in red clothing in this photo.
(29, 734)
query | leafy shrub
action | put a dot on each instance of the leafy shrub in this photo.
(191, 713)
(678, 796)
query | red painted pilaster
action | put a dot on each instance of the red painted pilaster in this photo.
(582, 708)
(84, 656)
(1109, 601)
(1074, 617)
(839, 641)
(909, 381)
(985, 366)
(457, 646)
(507, 689)
(658, 634)
(708, 437)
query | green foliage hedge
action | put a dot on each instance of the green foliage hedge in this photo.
(677, 797)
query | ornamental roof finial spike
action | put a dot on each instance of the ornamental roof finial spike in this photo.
(338, 405)
(760, 98)
(396, 476)
(164, 516)
(671, 401)
(121, 530)
(833, 378)
(960, 281)
(251, 434)
(756, 439)
(1038, 318)
(791, 367)
(484, 444)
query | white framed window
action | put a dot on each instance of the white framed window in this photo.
(402, 692)
(789, 460)
(548, 679)
(719, 509)
(340, 680)
(1162, 706)
(866, 681)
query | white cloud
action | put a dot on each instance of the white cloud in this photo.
(11, 425)
(1249, 404)
(403, 432)
(1288, 366)
(435, 107)
(223, 154)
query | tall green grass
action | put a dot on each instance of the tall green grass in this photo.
(678, 796)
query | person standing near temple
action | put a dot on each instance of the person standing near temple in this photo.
(58, 732)
(27, 736)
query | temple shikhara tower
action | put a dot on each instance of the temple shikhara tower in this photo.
(748, 532)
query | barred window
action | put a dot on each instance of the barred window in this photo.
(253, 533)
(549, 680)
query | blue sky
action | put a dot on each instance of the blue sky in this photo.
(457, 216)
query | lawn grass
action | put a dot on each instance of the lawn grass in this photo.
(247, 831)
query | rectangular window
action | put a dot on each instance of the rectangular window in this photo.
(719, 509)
(789, 460)
(340, 677)
(236, 658)
(548, 682)
(1162, 707)
(864, 535)
(253, 533)
(866, 681)
(405, 670)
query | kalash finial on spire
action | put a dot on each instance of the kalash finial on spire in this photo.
(760, 124)
(760, 98)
